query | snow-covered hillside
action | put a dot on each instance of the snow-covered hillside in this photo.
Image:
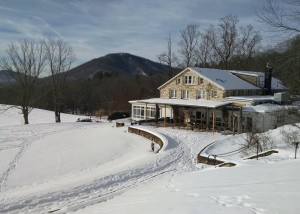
(97, 168)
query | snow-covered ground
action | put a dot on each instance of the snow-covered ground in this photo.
(97, 168)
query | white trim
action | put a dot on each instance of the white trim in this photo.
(183, 102)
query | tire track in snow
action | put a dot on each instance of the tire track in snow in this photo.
(100, 189)
(170, 162)
(177, 158)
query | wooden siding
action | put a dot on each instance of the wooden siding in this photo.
(251, 79)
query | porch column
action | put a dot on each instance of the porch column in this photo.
(146, 113)
(239, 124)
(213, 114)
(207, 123)
(156, 113)
(240, 121)
(165, 116)
(232, 118)
(233, 126)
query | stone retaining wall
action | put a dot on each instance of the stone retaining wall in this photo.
(263, 154)
(208, 161)
(147, 135)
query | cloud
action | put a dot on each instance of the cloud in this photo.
(95, 28)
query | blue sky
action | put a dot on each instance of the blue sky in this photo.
(97, 27)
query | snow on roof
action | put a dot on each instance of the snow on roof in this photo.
(276, 83)
(227, 80)
(251, 98)
(249, 73)
(183, 102)
(263, 108)
(224, 79)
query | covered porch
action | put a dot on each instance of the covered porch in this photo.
(208, 115)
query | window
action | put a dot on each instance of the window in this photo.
(280, 118)
(184, 94)
(178, 80)
(200, 81)
(172, 93)
(213, 93)
(200, 94)
(138, 112)
(151, 112)
(199, 117)
(189, 80)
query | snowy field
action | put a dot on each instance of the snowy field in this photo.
(97, 168)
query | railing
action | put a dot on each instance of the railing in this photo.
(212, 159)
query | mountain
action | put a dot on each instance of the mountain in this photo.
(117, 63)
(6, 77)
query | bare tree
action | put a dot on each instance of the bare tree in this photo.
(257, 142)
(292, 134)
(27, 59)
(168, 57)
(203, 52)
(60, 57)
(281, 16)
(248, 42)
(224, 38)
(188, 42)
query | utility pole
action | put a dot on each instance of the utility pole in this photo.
(257, 143)
(296, 147)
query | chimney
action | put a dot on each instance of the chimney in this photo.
(268, 80)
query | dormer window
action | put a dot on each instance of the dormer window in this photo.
(189, 80)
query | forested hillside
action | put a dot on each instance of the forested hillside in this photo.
(102, 85)
(117, 63)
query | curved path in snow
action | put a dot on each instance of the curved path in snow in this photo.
(42, 177)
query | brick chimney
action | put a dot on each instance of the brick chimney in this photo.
(268, 80)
